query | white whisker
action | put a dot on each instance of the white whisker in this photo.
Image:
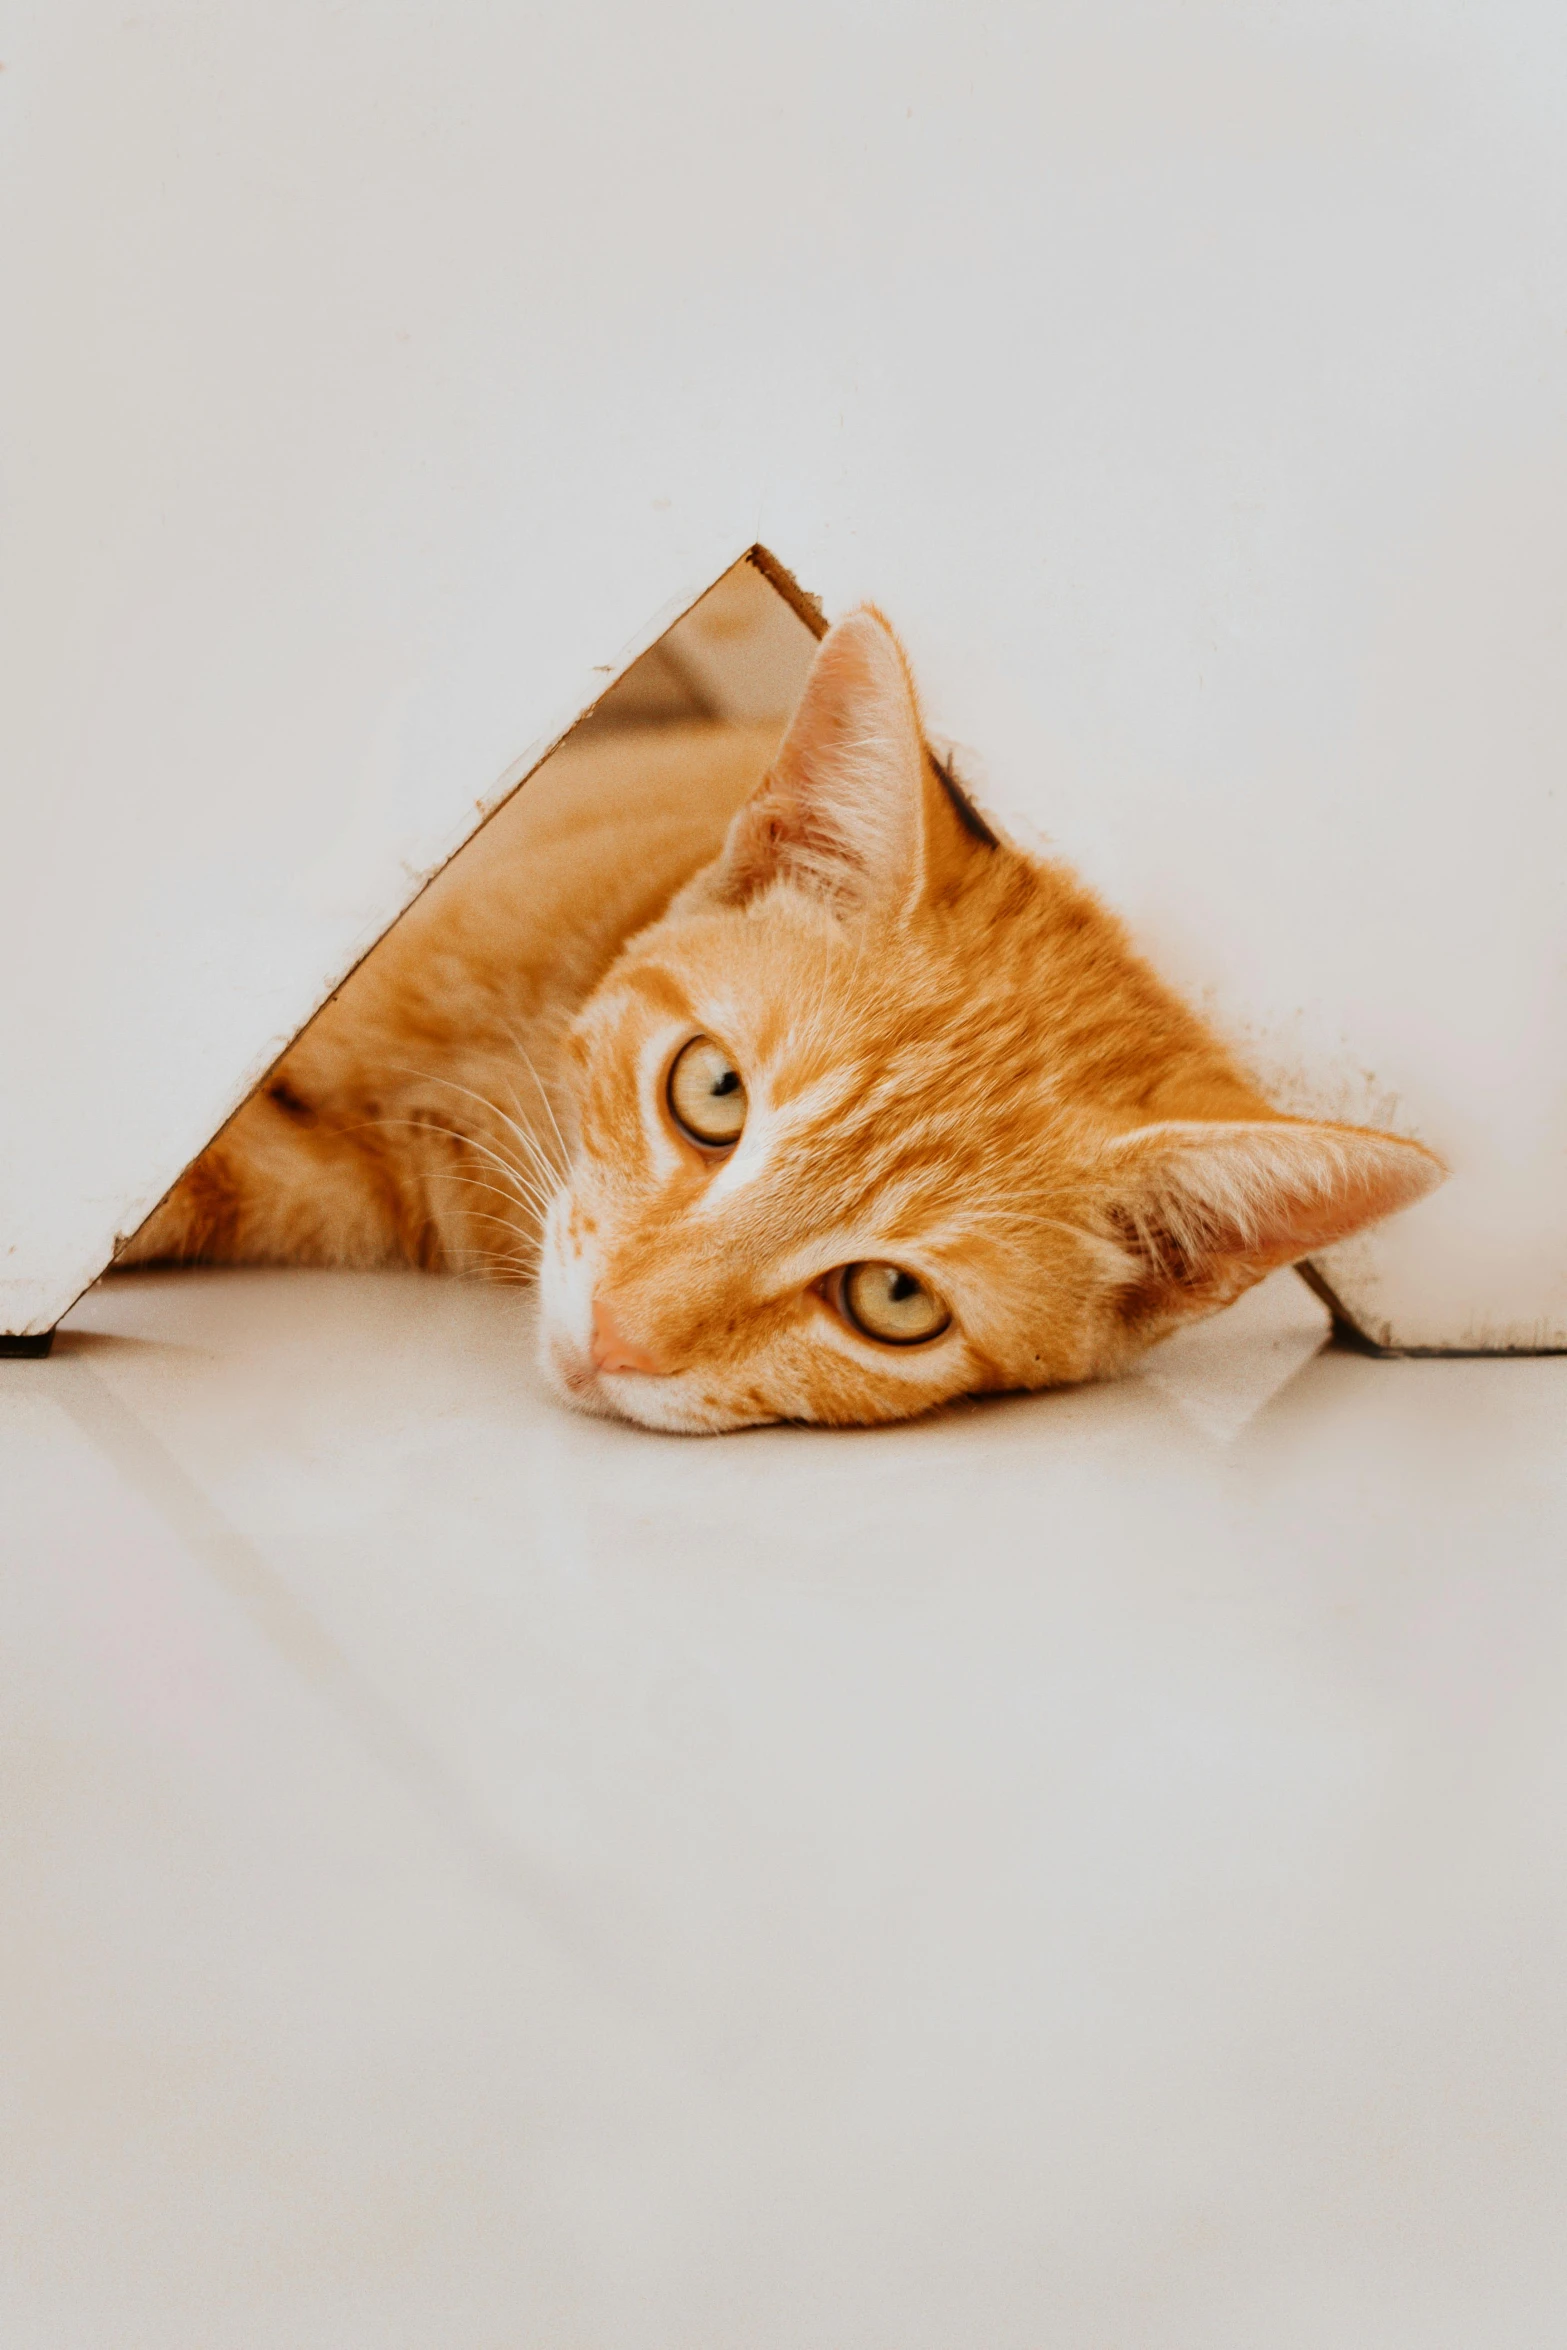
(524, 1187)
(527, 1060)
(524, 1136)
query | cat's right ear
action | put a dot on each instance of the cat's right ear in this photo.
(1205, 1207)
(852, 810)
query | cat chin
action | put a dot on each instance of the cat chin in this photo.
(664, 1405)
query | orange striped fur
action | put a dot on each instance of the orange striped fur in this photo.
(953, 1063)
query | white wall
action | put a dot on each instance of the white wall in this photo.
(1186, 381)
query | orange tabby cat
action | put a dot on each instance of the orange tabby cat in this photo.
(805, 1097)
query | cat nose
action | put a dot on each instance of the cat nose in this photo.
(612, 1349)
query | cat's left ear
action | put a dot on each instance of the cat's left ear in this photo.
(853, 809)
(1207, 1207)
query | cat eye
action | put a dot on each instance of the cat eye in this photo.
(707, 1094)
(888, 1304)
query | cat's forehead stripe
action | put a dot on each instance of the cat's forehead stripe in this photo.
(657, 987)
(803, 1097)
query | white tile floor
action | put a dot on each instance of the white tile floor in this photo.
(1084, 1874)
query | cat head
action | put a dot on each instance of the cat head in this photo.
(884, 1112)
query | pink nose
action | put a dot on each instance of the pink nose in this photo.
(612, 1350)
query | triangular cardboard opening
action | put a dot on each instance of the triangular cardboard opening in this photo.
(718, 683)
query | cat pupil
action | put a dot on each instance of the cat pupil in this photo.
(727, 1083)
(903, 1285)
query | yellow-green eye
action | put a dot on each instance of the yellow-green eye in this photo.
(707, 1094)
(888, 1304)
